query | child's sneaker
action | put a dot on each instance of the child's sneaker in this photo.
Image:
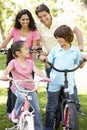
(14, 119)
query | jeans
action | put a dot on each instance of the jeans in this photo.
(34, 102)
(47, 70)
(10, 100)
(76, 95)
(52, 107)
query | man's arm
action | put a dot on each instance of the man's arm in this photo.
(79, 37)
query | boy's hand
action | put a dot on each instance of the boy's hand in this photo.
(81, 47)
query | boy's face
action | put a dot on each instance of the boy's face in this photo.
(61, 41)
(45, 18)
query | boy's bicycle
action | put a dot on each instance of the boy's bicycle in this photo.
(67, 112)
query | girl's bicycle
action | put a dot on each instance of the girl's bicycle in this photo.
(26, 117)
(67, 112)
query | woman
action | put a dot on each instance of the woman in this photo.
(24, 29)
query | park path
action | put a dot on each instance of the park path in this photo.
(80, 77)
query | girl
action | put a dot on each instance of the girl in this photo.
(21, 68)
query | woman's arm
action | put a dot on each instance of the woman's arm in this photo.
(5, 42)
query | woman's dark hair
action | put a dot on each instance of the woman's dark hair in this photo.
(65, 32)
(31, 25)
(16, 46)
(42, 7)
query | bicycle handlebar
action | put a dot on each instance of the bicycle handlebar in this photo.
(65, 70)
(18, 88)
(27, 80)
(4, 51)
(31, 50)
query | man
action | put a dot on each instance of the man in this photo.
(46, 27)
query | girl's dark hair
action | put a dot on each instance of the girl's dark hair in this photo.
(42, 7)
(9, 56)
(31, 25)
(16, 46)
(65, 32)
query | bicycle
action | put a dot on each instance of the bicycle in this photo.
(26, 117)
(67, 109)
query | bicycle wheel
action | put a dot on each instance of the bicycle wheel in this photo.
(70, 117)
(28, 123)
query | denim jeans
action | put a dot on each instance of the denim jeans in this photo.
(11, 98)
(76, 95)
(34, 102)
(52, 107)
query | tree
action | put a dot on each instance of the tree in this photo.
(6, 12)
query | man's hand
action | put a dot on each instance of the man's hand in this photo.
(81, 47)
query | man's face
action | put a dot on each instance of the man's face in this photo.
(45, 18)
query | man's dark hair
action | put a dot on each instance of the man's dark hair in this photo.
(42, 7)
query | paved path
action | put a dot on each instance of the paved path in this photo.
(80, 77)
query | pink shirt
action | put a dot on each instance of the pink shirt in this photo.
(22, 73)
(33, 36)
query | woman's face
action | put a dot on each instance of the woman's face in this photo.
(24, 20)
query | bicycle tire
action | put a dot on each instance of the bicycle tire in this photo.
(26, 124)
(70, 117)
(29, 123)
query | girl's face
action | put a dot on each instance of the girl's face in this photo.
(24, 20)
(24, 52)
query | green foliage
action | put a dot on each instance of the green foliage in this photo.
(2, 61)
(9, 9)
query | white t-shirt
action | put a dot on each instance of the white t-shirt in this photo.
(48, 40)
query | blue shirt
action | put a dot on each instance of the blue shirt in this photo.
(62, 59)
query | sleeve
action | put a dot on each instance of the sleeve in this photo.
(36, 35)
(78, 56)
(11, 64)
(12, 32)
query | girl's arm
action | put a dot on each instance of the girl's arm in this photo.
(4, 75)
(40, 73)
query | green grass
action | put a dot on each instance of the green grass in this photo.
(2, 61)
(5, 123)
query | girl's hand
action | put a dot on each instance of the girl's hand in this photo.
(4, 78)
(45, 79)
